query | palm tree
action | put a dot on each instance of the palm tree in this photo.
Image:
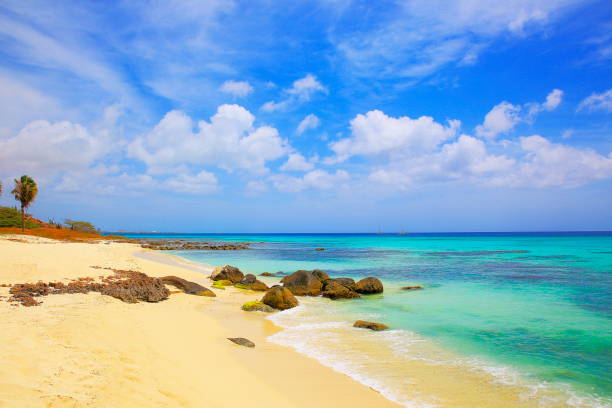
(25, 192)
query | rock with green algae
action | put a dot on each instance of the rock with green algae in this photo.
(279, 298)
(216, 285)
(257, 306)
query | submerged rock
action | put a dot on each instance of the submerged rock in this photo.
(302, 283)
(319, 249)
(242, 341)
(411, 287)
(280, 298)
(368, 286)
(257, 306)
(191, 288)
(267, 274)
(370, 325)
(335, 290)
(227, 272)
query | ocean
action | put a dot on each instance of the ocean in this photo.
(523, 315)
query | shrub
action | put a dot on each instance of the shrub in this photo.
(81, 226)
(11, 217)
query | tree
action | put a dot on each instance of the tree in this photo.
(25, 192)
(0, 188)
(81, 226)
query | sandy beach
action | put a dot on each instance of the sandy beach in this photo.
(89, 350)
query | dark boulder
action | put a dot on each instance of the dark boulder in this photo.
(335, 290)
(248, 279)
(348, 282)
(320, 275)
(370, 325)
(137, 287)
(191, 288)
(241, 341)
(280, 298)
(250, 282)
(302, 283)
(368, 286)
(227, 272)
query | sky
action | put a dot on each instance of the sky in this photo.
(310, 116)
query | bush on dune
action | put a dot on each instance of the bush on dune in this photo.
(11, 217)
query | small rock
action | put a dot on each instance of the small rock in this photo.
(267, 274)
(280, 298)
(370, 325)
(257, 306)
(335, 290)
(302, 283)
(227, 272)
(191, 288)
(411, 287)
(368, 286)
(319, 249)
(242, 341)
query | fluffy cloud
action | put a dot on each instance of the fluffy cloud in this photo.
(548, 164)
(502, 118)
(597, 101)
(237, 88)
(44, 150)
(317, 179)
(200, 183)
(302, 90)
(309, 122)
(376, 133)
(296, 162)
(229, 141)
(505, 116)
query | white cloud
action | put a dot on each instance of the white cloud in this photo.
(200, 183)
(302, 90)
(419, 37)
(237, 88)
(505, 116)
(309, 122)
(376, 133)
(316, 179)
(597, 101)
(501, 119)
(43, 150)
(296, 162)
(548, 164)
(229, 141)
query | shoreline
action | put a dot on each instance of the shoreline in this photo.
(79, 350)
(280, 343)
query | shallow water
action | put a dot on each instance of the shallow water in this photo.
(529, 312)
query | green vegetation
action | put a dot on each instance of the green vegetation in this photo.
(11, 217)
(81, 226)
(218, 285)
(25, 192)
(242, 286)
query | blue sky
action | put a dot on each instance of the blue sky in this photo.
(328, 116)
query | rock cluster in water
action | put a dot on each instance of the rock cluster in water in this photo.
(178, 244)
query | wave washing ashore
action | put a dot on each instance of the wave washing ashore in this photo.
(504, 320)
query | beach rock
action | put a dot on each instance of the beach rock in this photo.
(319, 249)
(248, 279)
(280, 298)
(257, 306)
(302, 283)
(250, 282)
(370, 325)
(335, 290)
(137, 287)
(368, 286)
(267, 274)
(227, 272)
(241, 341)
(320, 275)
(348, 282)
(191, 288)
(411, 287)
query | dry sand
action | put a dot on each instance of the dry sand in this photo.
(96, 351)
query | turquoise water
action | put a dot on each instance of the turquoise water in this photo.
(540, 304)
